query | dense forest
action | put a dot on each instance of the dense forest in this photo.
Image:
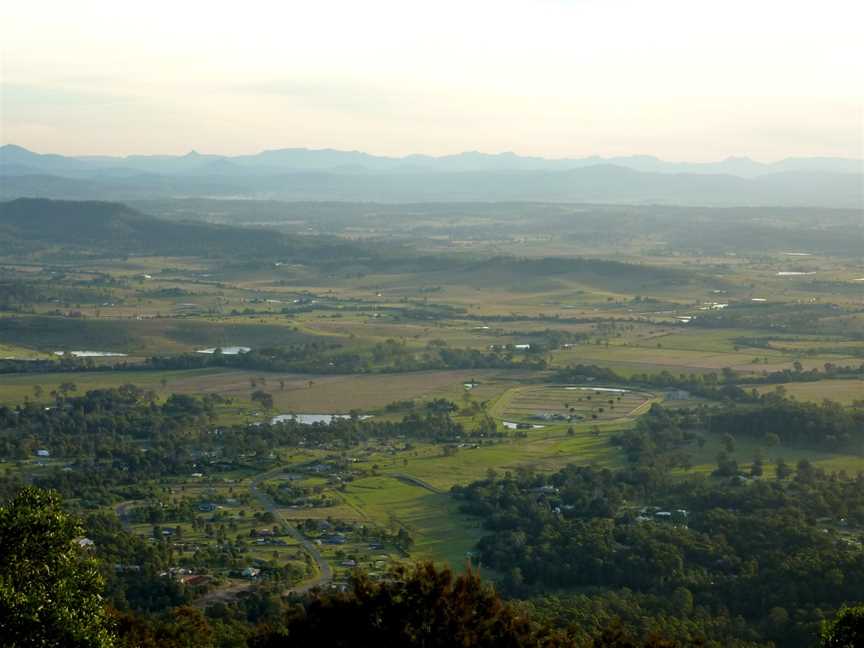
(753, 562)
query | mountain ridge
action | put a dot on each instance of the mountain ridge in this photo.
(327, 159)
(325, 175)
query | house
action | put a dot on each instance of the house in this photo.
(544, 489)
(349, 563)
(42, 452)
(195, 580)
(206, 507)
(120, 569)
(250, 572)
(85, 543)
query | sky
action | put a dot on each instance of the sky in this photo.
(692, 80)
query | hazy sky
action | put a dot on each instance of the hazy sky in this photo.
(689, 79)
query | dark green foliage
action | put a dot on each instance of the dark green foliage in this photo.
(769, 553)
(846, 630)
(50, 589)
(416, 606)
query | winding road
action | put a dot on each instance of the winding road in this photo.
(325, 574)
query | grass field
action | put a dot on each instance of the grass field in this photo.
(441, 533)
(705, 459)
(841, 391)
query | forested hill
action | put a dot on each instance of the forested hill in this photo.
(28, 224)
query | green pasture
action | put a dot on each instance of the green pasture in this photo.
(440, 532)
(844, 391)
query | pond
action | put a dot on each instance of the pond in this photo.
(309, 419)
(510, 425)
(227, 350)
(91, 354)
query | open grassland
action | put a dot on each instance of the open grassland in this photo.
(841, 391)
(543, 450)
(651, 360)
(704, 460)
(441, 533)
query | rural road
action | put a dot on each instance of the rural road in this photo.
(325, 574)
(414, 481)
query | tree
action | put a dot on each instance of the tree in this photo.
(67, 388)
(417, 606)
(783, 470)
(50, 589)
(264, 399)
(772, 440)
(846, 630)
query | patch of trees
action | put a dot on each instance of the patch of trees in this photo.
(761, 562)
(826, 425)
(788, 317)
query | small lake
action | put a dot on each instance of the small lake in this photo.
(309, 419)
(510, 425)
(91, 354)
(228, 350)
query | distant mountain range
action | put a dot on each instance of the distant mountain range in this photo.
(305, 174)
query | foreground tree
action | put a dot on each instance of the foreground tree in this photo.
(846, 630)
(416, 606)
(420, 605)
(49, 586)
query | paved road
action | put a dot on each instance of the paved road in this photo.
(325, 574)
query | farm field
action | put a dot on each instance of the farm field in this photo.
(671, 359)
(841, 391)
(298, 393)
